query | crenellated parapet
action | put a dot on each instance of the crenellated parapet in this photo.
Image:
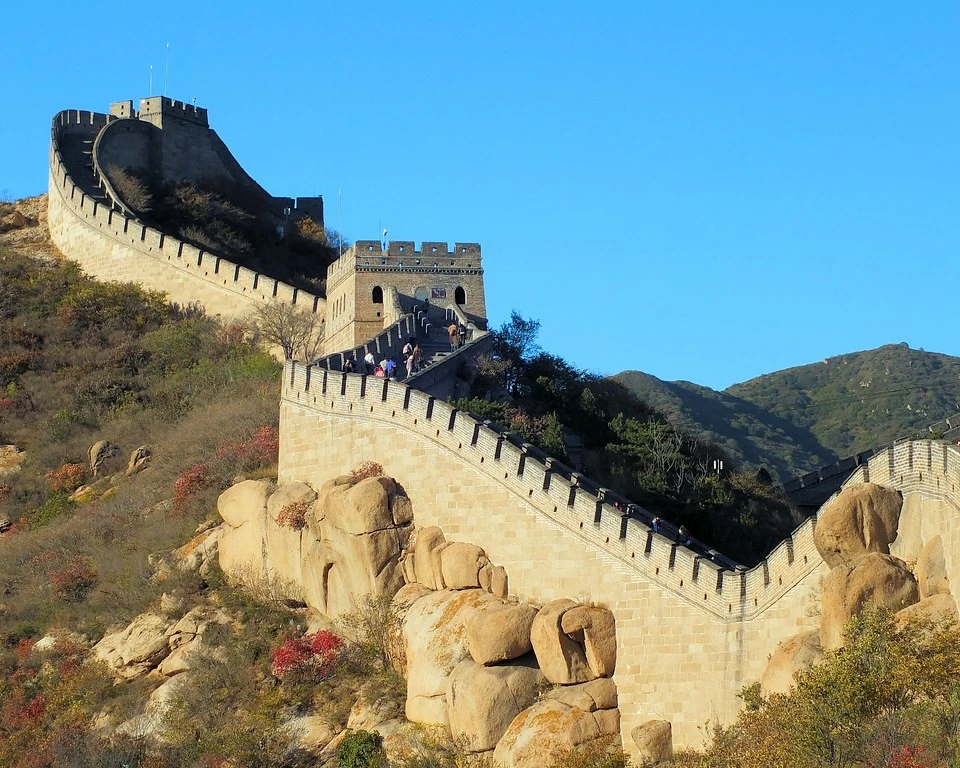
(927, 467)
(90, 225)
(550, 489)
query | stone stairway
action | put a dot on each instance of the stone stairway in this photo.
(432, 332)
(76, 149)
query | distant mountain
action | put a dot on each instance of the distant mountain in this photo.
(861, 400)
(749, 433)
(799, 419)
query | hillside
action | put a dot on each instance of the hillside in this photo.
(861, 400)
(799, 419)
(747, 431)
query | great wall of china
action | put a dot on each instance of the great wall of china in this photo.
(691, 629)
(92, 227)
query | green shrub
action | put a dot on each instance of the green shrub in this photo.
(361, 749)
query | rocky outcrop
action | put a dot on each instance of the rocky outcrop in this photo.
(152, 641)
(100, 453)
(329, 549)
(498, 632)
(859, 520)
(483, 701)
(793, 655)
(139, 458)
(548, 730)
(935, 608)
(654, 741)
(931, 570)
(435, 638)
(136, 649)
(875, 579)
(574, 643)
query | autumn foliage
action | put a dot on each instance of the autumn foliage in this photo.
(313, 656)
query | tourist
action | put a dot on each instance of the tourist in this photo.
(655, 525)
(684, 537)
(462, 334)
(417, 357)
(370, 362)
(391, 368)
(452, 333)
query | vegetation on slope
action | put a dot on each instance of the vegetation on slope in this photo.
(862, 400)
(232, 222)
(890, 699)
(748, 432)
(627, 446)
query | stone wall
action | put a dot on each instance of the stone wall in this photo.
(689, 634)
(112, 245)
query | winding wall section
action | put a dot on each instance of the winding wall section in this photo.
(690, 634)
(94, 230)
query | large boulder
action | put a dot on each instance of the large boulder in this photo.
(460, 565)
(136, 649)
(859, 520)
(483, 701)
(931, 569)
(197, 632)
(498, 632)
(435, 640)
(595, 628)
(597, 694)
(876, 580)
(935, 608)
(562, 659)
(547, 731)
(354, 547)
(793, 655)
(100, 455)
(426, 542)
(243, 507)
(654, 741)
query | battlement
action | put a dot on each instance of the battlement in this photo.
(164, 107)
(552, 490)
(408, 249)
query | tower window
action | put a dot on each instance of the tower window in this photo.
(459, 296)
(377, 295)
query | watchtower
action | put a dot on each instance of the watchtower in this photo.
(359, 283)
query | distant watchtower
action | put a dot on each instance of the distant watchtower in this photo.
(360, 281)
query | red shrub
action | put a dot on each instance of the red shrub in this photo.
(366, 469)
(188, 485)
(313, 656)
(22, 649)
(294, 515)
(74, 583)
(261, 450)
(911, 757)
(68, 478)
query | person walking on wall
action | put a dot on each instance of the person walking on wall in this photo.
(462, 334)
(417, 357)
(370, 361)
(452, 333)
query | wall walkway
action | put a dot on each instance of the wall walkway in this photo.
(690, 632)
(109, 244)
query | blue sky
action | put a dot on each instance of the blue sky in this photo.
(702, 191)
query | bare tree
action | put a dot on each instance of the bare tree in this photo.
(297, 331)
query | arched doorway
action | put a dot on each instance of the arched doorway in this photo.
(460, 296)
(377, 295)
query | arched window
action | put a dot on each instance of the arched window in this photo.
(460, 296)
(377, 295)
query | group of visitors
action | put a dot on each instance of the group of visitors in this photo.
(388, 367)
(458, 336)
